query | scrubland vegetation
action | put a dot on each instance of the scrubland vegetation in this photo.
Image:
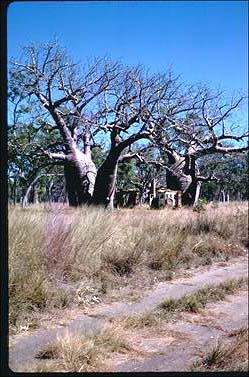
(194, 302)
(226, 357)
(78, 353)
(61, 257)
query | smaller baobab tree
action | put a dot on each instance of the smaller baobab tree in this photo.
(202, 125)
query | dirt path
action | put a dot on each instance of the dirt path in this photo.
(178, 345)
(176, 289)
(23, 350)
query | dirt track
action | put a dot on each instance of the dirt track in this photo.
(166, 352)
(179, 344)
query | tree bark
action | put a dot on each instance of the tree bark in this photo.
(179, 178)
(197, 193)
(80, 174)
(104, 189)
(182, 176)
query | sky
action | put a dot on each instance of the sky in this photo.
(204, 41)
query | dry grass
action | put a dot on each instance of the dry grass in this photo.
(232, 356)
(188, 303)
(198, 300)
(78, 353)
(60, 257)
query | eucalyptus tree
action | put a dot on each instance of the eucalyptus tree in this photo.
(231, 174)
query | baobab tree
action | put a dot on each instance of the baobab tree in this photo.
(129, 112)
(207, 128)
(56, 95)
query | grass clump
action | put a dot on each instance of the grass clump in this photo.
(229, 356)
(199, 299)
(78, 353)
(140, 321)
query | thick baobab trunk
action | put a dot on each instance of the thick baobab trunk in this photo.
(105, 184)
(80, 174)
(182, 176)
(178, 177)
(187, 185)
(79, 169)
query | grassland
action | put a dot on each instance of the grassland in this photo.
(61, 257)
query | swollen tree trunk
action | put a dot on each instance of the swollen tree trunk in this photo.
(80, 173)
(105, 184)
(79, 169)
(191, 196)
(182, 176)
(178, 178)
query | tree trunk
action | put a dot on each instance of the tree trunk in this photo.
(50, 199)
(179, 178)
(26, 197)
(80, 174)
(197, 193)
(228, 197)
(35, 198)
(182, 177)
(105, 185)
(223, 196)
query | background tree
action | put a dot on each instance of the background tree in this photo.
(206, 129)
(232, 178)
